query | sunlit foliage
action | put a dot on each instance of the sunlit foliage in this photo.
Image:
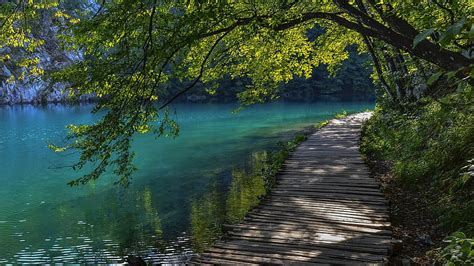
(132, 48)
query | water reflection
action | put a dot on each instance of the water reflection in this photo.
(215, 209)
(207, 218)
(248, 186)
(116, 223)
(129, 219)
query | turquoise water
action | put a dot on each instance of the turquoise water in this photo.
(44, 220)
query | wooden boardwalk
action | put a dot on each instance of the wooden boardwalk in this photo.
(324, 209)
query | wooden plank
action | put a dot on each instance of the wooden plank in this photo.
(333, 196)
(306, 229)
(299, 256)
(342, 190)
(335, 217)
(336, 177)
(325, 228)
(341, 210)
(340, 174)
(373, 249)
(341, 168)
(327, 202)
(238, 258)
(323, 209)
(326, 181)
(349, 163)
(206, 260)
(336, 222)
(327, 187)
(306, 209)
(341, 164)
(315, 212)
(311, 160)
(313, 230)
(306, 252)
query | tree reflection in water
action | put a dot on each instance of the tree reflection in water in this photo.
(209, 214)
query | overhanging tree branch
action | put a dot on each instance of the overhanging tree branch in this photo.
(201, 72)
(368, 27)
(399, 24)
(375, 60)
(426, 50)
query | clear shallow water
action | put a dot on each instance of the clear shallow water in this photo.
(44, 220)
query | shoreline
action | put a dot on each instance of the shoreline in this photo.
(94, 101)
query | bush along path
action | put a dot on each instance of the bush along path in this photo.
(324, 208)
(423, 157)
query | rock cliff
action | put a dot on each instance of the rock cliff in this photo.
(33, 89)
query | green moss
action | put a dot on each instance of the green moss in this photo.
(341, 115)
(321, 124)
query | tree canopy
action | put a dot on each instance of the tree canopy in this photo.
(131, 49)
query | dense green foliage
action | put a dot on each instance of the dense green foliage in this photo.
(132, 49)
(430, 145)
(459, 251)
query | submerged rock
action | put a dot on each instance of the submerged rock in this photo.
(135, 260)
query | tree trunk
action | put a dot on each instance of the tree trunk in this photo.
(375, 60)
(395, 74)
(378, 67)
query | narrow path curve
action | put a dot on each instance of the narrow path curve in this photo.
(324, 209)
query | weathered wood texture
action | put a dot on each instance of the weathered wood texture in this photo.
(324, 209)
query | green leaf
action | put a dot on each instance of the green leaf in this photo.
(434, 78)
(421, 36)
(458, 234)
(452, 31)
(451, 74)
(471, 254)
(466, 247)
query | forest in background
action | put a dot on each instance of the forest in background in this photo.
(352, 82)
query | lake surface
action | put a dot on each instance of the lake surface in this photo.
(166, 212)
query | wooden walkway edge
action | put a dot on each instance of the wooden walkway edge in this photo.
(324, 209)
